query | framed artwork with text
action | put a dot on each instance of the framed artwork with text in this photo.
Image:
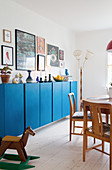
(25, 50)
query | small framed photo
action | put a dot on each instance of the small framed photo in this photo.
(7, 36)
(40, 62)
(7, 55)
(40, 45)
(61, 55)
(53, 55)
(61, 64)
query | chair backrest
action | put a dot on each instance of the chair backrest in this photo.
(25, 135)
(95, 111)
(72, 103)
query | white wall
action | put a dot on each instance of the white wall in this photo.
(95, 70)
(14, 16)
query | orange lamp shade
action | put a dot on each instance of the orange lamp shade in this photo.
(109, 47)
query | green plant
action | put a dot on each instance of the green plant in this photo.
(111, 83)
(6, 70)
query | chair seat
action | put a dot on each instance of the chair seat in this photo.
(106, 129)
(80, 115)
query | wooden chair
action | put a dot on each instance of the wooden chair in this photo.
(18, 143)
(99, 129)
(75, 116)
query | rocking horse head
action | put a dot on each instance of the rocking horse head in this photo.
(26, 135)
(30, 131)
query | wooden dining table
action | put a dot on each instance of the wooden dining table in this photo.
(104, 99)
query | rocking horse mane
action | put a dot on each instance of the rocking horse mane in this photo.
(25, 135)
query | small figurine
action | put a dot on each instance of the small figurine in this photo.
(14, 81)
(17, 78)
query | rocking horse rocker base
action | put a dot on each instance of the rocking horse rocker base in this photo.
(13, 157)
(17, 143)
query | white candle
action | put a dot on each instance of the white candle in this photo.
(49, 69)
(46, 71)
(40, 73)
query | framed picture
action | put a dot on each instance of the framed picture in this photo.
(53, 54)
(61, 55)
(25, 50)
(61, 64)
(7, 55)
(40, 45)
(7, 36)
(40, 62)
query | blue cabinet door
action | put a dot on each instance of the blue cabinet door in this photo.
(2, 111)
(57, 101)
(45, 103)
(32, 105)
(65, 99)
(14, 109)
(74, 90)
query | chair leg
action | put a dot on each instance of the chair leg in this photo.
(84, 147)
(94, 140)
(73, 126)
(107, 118)
(110, 156)
(86, 141)
(103, 146)
(70, 128)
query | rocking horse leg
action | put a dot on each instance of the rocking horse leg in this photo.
(3, 147)
(21, 153)
(25, 153)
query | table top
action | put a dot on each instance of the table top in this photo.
(100, 99)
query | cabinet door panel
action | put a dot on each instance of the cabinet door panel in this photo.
(57, 101)
(2, 111)
(32, 105)
(74, 90)
(14, 109)
(66, 104)
(45, 103)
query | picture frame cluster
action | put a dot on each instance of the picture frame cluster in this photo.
(25, 52)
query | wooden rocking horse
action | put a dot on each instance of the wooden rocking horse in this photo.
(17, 143)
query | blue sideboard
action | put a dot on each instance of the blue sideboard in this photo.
(33, 104)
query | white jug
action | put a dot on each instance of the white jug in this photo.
(109, 91)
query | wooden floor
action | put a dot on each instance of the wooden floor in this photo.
(52, 144)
